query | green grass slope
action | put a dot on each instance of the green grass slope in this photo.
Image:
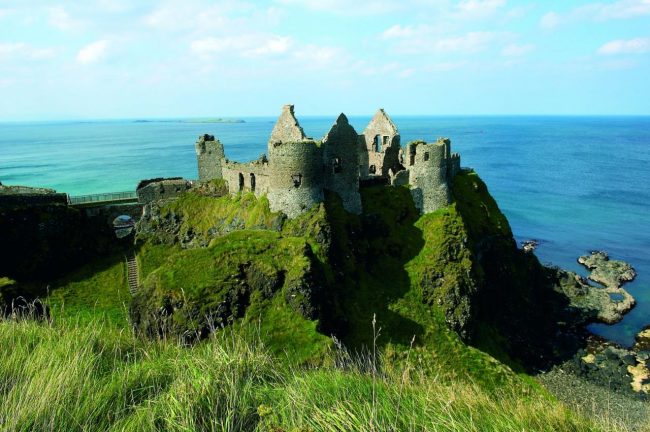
(81, 377)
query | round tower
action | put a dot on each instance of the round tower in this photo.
(428, 174)
(295, 176)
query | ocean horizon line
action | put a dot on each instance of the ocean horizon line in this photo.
(234, 118)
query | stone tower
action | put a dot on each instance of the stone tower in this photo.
(210, 156)
(429, 178)
(295, 167)
(341, 162)
(380, 146)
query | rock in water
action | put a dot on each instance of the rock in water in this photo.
(529, 245)
(607, 304)
(611, 273)
(592, 303)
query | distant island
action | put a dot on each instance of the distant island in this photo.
(199, 120)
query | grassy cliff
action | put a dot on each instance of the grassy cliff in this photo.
(237, 305)
(421, 278)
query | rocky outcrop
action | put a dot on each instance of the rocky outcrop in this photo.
(590, 303)
(615, 367)
(203, 214)
(610, 273)
(199, 290)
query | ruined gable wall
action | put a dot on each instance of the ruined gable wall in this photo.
(295, 176)
(287, 128)
(341, 163)
(388, 158)
(428, 175)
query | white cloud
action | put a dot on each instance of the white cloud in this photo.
(345, 7)
(247, 45)
(622, 46)
(60, 19)
(618, 10)
(25, 51)
(201, 17)
(550, 20)
(514, 50)
(9, 49)
(621, 9)
(314, 55)
(470, 42)
(479, 8)
(92, 53)
(398, 31)
(418, 39)
(273, 45)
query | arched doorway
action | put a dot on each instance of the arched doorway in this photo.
(252, 182)
(123, 225)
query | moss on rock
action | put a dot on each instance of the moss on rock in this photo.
(197, 290)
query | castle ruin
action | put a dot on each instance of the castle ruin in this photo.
(298, 169)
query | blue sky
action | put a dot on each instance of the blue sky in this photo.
(123, 59)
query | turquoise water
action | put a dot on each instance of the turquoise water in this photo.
(574, 183)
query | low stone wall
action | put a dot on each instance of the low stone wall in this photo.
(149, 191)
(24, 196)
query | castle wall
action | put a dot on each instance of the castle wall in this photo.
(428, 174)
(25, 196)
(298, 169)
(381, 145)
(149, 191)
(209, 156)
(341, 162)
(247, 177)
(295, 176)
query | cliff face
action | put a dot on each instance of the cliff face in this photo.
(330, 272)
(43, 241)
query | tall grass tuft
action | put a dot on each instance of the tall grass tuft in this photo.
(87, 376)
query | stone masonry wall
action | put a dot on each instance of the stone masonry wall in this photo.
(296, 176)
(209, 156)
(11, 196)
(162, 189)
(428, 174)
(341, 162)
(247, 177)
(381, 127)
(298, 168)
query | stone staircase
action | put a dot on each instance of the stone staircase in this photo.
(132, 272)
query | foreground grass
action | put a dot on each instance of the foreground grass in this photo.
(88, 376)
(98, 288)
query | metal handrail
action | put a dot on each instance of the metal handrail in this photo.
(110, 196)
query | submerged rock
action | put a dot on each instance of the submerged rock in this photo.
(529, 245)
(610, 273)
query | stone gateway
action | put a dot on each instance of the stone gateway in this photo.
(299, 169)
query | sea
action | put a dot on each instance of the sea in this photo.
(575, 184)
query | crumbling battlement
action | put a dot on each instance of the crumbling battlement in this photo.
(299, 169)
